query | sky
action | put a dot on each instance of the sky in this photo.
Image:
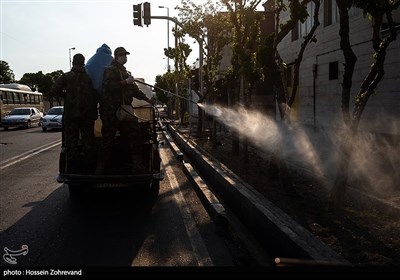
(37, 35)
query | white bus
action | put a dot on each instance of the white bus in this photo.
(17, 95)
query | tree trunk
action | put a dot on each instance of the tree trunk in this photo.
(367, 88)
(214, 133)
(376, 71)
(235, 136)
(299, 59)
(199, 122)
(281, 95)
(338, 192)
(350, 59)
(244, 101)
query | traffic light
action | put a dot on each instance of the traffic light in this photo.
(146, 13)
(137, 14)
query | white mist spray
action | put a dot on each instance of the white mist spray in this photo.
(372, 165)
(265, 133)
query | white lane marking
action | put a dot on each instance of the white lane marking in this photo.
(197, 243)
(11, 161)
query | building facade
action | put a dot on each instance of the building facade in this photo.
(318, 100)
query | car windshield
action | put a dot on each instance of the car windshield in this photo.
(20, 112)
(55, 111)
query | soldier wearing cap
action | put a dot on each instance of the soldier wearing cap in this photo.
(119, 86)
(80, 113)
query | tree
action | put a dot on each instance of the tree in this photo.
(269, 57)
(307, 39)
(208, 25)
(273, 67)
(33, 80)
(246, 36)
(6, 74)
(179, 54)
(48, 88)
(377, 10)
(166, 82)
(43, 83)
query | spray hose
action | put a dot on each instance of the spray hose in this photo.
(165, 91)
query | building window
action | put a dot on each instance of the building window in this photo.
(333, 70)
(305, 27)
(331, 12)
(302, 29)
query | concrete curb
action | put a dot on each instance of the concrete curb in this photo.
(207, 197)
(275, 230)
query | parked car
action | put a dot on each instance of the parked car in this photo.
(22, 117)
(53, 118)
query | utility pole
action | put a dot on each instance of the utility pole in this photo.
(70, 61)
(200, 49)
(163, 7)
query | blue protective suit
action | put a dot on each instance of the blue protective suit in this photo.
(96, 64)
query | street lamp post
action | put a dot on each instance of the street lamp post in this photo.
(199, 40)
(70, 61)
(163, 7)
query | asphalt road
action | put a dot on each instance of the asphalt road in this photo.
(108, 228)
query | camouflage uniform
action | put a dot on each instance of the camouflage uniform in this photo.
(80, 113)
(114, 89)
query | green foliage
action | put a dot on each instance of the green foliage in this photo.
(42, 82)
(6, 74)
(166, 82)
(246, 37)
(208, 25)
(36, 81)
(33, 80)
(48, 87)
(298, 12)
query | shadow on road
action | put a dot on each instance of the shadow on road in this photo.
(106, 227)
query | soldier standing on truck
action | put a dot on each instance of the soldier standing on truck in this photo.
(119, 87)
(80, 113)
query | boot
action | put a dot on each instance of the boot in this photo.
(138, 167)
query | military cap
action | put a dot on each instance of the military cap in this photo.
(120, 51)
